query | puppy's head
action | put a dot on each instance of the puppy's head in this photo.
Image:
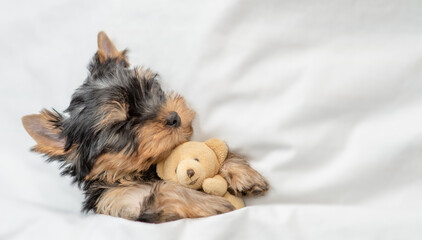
(119, 121)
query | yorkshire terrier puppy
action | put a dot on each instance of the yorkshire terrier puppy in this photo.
(119, 124)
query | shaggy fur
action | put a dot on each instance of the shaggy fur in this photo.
(118, 125)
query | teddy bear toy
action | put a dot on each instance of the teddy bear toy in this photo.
(196, 165)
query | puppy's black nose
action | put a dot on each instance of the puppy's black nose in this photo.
(173, 120)
(190, 172)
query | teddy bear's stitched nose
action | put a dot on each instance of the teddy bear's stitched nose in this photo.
(190, 172)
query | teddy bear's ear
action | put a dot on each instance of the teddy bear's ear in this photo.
(160, 169)
(219, 147)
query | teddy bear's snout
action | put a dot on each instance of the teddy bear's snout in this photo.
(190, 172)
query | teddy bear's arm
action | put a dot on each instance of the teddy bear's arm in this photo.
(215, 186)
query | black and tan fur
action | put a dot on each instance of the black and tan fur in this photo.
(118, 125)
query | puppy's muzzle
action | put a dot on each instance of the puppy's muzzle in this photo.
(173, 120)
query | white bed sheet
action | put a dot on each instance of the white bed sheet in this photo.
(325, 97)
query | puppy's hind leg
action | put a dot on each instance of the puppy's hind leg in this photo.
(170, 201)
(123, 201)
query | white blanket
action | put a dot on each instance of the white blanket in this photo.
(325, 97)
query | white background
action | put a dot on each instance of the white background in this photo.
(325, 97)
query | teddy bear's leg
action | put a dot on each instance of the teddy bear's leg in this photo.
(242, 179)
(237, 202)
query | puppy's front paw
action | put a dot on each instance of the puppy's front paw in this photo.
(242, 179)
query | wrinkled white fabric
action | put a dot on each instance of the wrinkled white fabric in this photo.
(325, 97)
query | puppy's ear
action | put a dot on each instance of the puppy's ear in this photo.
(44, 129)
(107, 50)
